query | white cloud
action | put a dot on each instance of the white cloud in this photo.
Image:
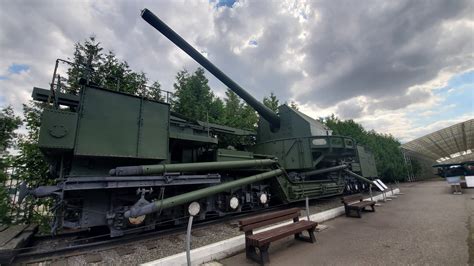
(372, 61)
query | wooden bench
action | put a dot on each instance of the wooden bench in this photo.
(356, 203)
(262, 240)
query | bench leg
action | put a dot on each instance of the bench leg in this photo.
(372, 208)
(298, 236)
(261, 258)
(350, 212)
(311, 235)
(310, 238)
(264, 258)
(250, 253)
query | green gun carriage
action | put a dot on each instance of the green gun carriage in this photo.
(130, 163)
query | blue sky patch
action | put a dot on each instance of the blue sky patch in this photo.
(3, 78)
(18, 68)
(458, 100)
(253, 43)
(227, 3)
(463, 79)
(303, 15)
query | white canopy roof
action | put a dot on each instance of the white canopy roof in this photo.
(453, 144)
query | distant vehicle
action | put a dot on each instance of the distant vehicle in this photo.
(457, 171)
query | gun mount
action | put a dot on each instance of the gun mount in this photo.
(299, 141)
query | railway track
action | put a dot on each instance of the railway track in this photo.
(71, 244)
(51, 248)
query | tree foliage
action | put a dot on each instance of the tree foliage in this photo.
(30, 163)
(87, 58)
(237, 113)
(27, 165)
(106, 70)
(194, 99)
(294, 105)
(9, 122)
(271, 102)
(386, 149)
(416, 168)
(31, 167)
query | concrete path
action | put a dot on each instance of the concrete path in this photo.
(428, 225)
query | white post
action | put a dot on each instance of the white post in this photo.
(370, 192)
(188, 240)
(307, 208)
(399, 191)
(193, 210)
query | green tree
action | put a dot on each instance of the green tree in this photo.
(271, 102)
(9, 122)
(294, 105)
(107, 71)
(31, 167)
(152, 92)
(193, 97)
(249, 117)
(87, 58)
(386, 149)
(416, 167)
(232, 111)
(30, 163)
(216, 110)
(237, 113)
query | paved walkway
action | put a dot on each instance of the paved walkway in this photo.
(428, 225)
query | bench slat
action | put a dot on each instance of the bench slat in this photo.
(268, 216)
(280, 232)
(362, 204)
(268, 222)
(352, 198)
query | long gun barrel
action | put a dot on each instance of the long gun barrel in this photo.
(185, 167)
(264, 111)
(198, 194)
(324, 170)
(359, 177)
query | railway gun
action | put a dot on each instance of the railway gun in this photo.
(124, 161)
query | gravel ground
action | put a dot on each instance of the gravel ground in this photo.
(152, 249)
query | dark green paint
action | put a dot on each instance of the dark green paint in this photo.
(58, 130)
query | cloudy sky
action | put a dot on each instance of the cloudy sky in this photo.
(399, 67)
